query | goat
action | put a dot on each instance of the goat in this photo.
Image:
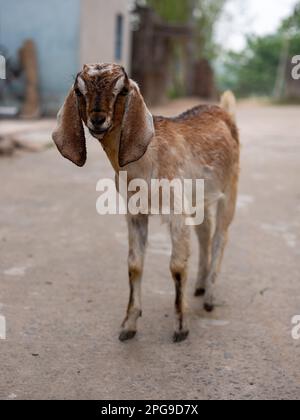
(202, 143)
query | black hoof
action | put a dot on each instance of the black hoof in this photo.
(200, 292)
(127, 335)
(208, 307)
(178, 337)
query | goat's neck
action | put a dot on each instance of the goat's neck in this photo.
(111, 144)
(140, 169)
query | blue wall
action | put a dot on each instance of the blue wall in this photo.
(54, 26)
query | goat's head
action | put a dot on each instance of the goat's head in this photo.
(99, 90)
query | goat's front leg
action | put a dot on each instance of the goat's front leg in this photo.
(138, 235)
(180, 234)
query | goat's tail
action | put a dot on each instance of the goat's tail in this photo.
(228, 103)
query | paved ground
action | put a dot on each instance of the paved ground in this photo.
(63, 285)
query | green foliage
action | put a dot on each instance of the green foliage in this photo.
(292, 23)
(254, 70)
(171, 10)
(207, 13)
(202, 14)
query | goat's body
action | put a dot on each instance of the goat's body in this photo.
(201, 138)
(202, 143)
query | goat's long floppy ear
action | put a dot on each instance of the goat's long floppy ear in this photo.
(137, 128)
(69, 134)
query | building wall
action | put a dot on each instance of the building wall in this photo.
(53, 25)
(67, 33)
(98, 31)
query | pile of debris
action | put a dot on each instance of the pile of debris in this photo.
(24, 70)
(7, 146)
(20, 126)
(32, 136)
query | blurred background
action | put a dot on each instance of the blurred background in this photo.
(173, 48)
(63, 276)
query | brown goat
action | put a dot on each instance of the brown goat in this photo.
(202, 143)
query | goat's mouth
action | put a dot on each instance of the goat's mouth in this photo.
(99, 132)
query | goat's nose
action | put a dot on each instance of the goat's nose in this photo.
(98, 120)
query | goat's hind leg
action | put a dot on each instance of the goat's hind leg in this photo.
(224, 216)
(219, 240)
(138, 235)
(180, 234)
(204, 233)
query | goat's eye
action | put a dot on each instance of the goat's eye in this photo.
(124, 92)
(78, 92)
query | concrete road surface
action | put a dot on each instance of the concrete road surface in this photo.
(64, 287)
